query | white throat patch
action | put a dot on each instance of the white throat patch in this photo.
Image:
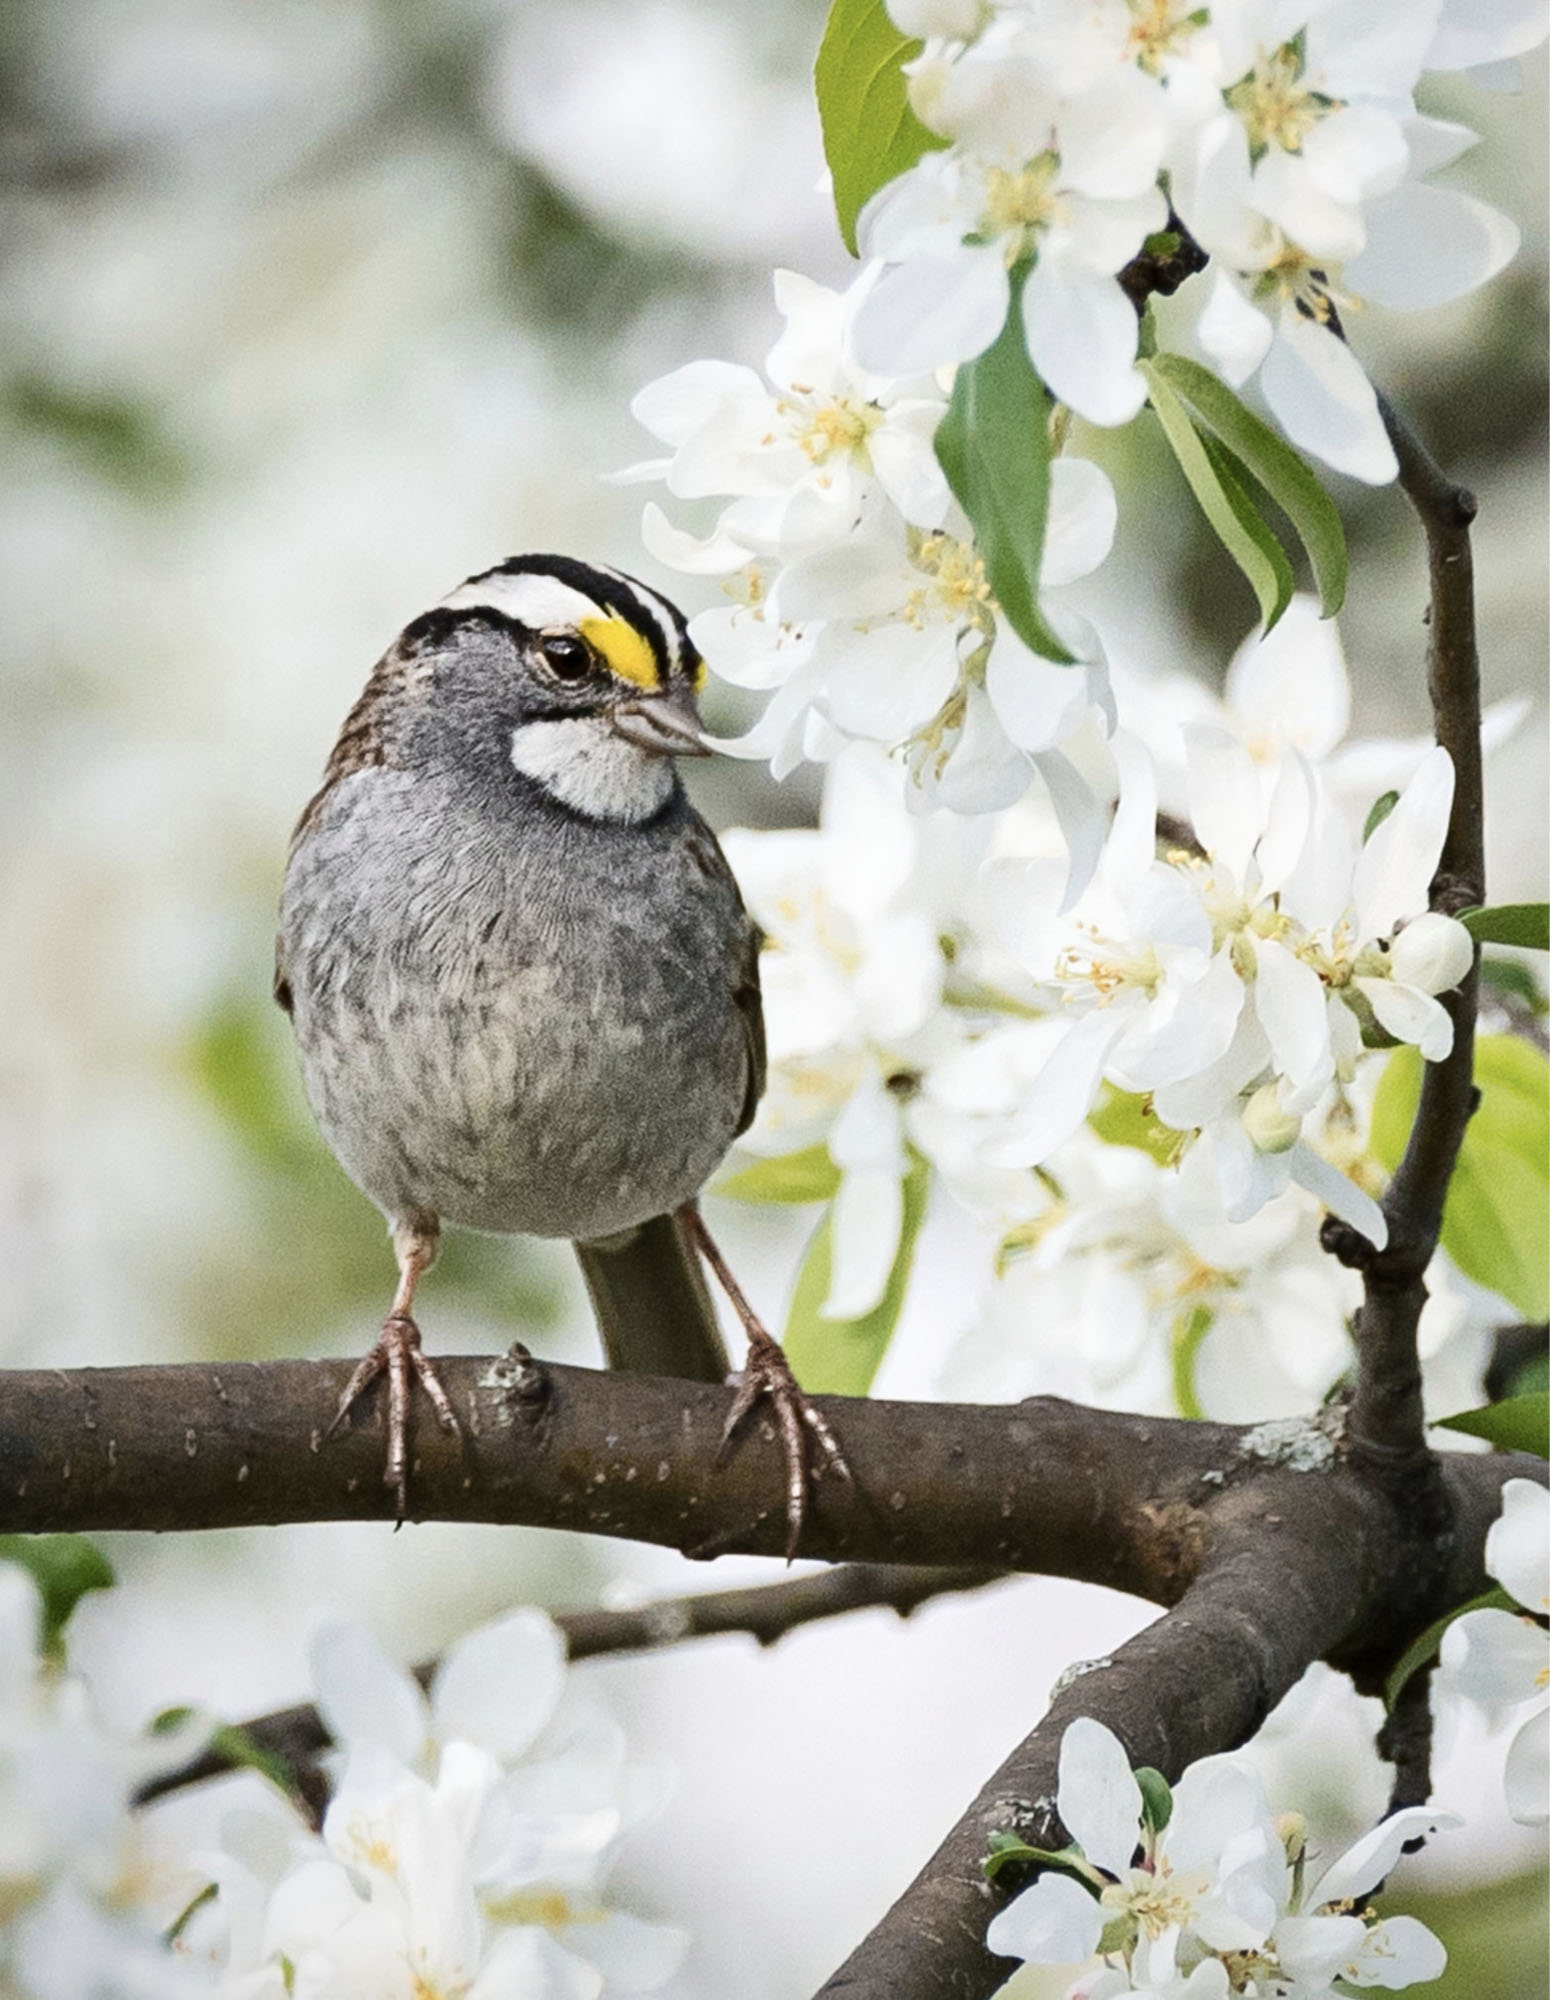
(583, 763)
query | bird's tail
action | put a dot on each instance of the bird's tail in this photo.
(652, 1303)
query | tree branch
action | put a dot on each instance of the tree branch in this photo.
(1043, 1485)
(1386, 1416)
(764, 1611)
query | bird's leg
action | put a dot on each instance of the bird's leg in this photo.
(398, 1355)
(767, 1373)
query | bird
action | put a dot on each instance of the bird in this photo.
(522, 981)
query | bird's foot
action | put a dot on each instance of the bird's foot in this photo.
(767, 1375)
(398, 1356)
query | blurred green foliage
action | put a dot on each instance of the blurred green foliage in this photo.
(1497, 1935)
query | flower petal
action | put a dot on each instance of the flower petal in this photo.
(1290, 687)
(1395, 869)
(1494, 1658)
(1081, 332)
(1362, 1867)
(1098, 1797)
(1517, 1548)
(1083, 514)
(1056, 1922)
(1339, 1195)
(1235, 334)
(1410, 1015)
(1324, 402)
(499, 1686)
(1037, 703)
(1427, 245)
(1063, 1092)
(1289, 999)
(362, 1697)
(1082, 820)
(887, 682)
(930, 311)
(1225, 804)
(1528, 1771)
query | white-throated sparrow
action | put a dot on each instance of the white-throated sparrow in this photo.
(524, 987)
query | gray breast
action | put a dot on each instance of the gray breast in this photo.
(518, 1020)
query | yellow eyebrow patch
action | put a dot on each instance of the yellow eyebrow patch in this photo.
(627, 652)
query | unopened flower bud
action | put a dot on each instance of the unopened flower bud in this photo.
(1433, 953)
(1272, 1129)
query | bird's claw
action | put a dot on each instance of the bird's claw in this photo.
(767, 1375)
(399, 1356)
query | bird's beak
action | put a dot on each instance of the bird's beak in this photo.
(667, 723)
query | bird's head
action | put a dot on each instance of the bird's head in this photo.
(577, 676)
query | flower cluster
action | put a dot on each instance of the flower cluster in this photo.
(463, 1853)
(859, 599)
(84, 1893)
(1500, 1659)
(1291, 148)
(1231, 981)
(1201, 1893)
(1149, 1094)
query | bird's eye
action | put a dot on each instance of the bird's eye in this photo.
(567, 657)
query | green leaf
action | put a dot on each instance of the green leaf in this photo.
(1424, 1649)
(1511, 975)
(870, 134)
(64, 1567)
(1284, 474)
(993, 444)
(1124, 1118)
(839, 1357)
(1210, 469)
(806, 1176)
(1382, 806)
(1496, 1224)
(1007, 1848)
(1156, 1797)
(1518, 1423)
(1523, 924)
(1236, 483)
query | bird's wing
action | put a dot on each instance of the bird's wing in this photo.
(750, 1007)
(744, 967)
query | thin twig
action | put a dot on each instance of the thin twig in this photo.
(1386, 1419)
(765, 1612)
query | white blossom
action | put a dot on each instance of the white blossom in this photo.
(853, 975)
(84, 1895)
(1285, 690)
(804, 452)
(954, 230)
(1501, 1660)
(857, 600)
(1222, 1885)
(1233, 984)
(464, 1850)
(1308, 188)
